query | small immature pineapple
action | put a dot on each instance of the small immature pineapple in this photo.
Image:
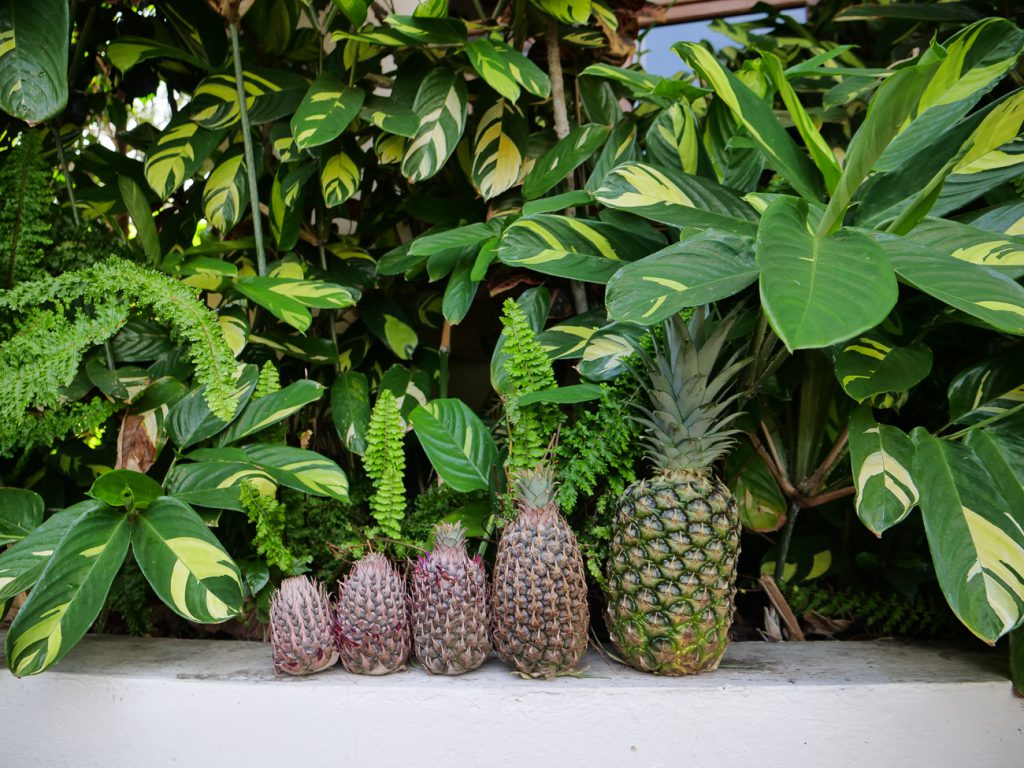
(371, 626)
(540, 616)
(300, 627)
(449, 606)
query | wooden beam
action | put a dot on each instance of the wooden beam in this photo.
(683, 11)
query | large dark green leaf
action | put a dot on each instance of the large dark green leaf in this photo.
(977, 544)
(270, 409)
(33, 58)
(216, 484)
(871, 364)
(71, 591)
(506, 70)
(185, 564)
(987, 389)
(190, 421)
(326, 110)
(125, 488)
(818, 291)
(882, 462)
(21, 512)
(563, 158)
(458, 444)
(704, 268)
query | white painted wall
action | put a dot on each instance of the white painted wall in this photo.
(118, 702)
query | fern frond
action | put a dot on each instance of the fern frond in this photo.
(25, 209)
(528, 369)
(384, 463)
(268, 515)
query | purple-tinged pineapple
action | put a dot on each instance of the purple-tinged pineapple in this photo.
(449, 606)
(372, 622)
(300, 627)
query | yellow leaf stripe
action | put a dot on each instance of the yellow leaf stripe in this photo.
(339, 180)
(200, 560)
(1000, 563)
(498, 159)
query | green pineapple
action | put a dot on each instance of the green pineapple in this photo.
(676, 536)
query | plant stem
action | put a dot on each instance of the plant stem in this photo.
(250, 156)
(444, 350)
(67, 175)
(787, 536)
(986, 422)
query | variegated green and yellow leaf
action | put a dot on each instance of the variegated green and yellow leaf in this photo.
(389, 149)
(568, 339)
(269, 95)
(427, 30)
(388, 322)
(872, 364)
(980, 292)
(987, 389)
(882, 462)
(350, 409)
(300, 469)
(216, 484)
(185, 564)
(621, 147)
(266, 411)
(679, 199)
(441, 103)
(607, 350)
(976, 246)
(458, 444)
(21, 512)
(326, 110)
(756, 116)
(566, 11)
(563, 158)
(569, 247)
(976, 541)
(178, 152)
(1006, 219)
(499, 148)
(125, 52)
(506, 70)
(761, 505)
(287, 299)
(190, 421)
(23, 562)
(704, 268)
(226, 194)
(70, 592)
(339, 179)
(674, 141)
(286, 198)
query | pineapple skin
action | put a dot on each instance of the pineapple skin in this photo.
(672, 573)
(540, 616)
(449, 610)
(300, 628)
(371, 626)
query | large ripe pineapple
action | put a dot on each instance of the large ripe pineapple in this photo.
(450, 630)
(539, 612)
(300, 627)
(372, 622)
(676, 536)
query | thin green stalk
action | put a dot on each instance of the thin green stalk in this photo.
(787, 536)
(986, 422)
(67, 175)
(250, 155)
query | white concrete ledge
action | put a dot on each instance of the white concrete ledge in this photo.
(128, 703)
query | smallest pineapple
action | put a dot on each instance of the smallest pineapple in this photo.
(449, 606)
(300, 627)
(372, 622)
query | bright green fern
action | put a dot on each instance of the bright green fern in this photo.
(26, 210)
(384, 462)
(530, 428)
(268, 515)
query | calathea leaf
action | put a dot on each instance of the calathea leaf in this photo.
(568, 247)
(270, 409)
(975, 246)
(339, 179)
(761, 504)
(606, 351)
(142, 217)
(190, 421)
(216, 484)
(989, 388)
(563, 158)
(296, 468)
(706, 267)
(388, 322)
(125, 488)
(817, 291)
(977, 545)
(872, 364)
(620, 147)
(674, 141)
(425, 30)
(675, 198)
(980, 292)
(288, 299)
(33, 58)
(350, 409)
(499, 148)
(178, 152)
(506, 70)
(1004, 219)
(1001, 449)
(326, 110)
(70, 591)
(756, 116)
(21, 564)
(286, 198)
(125, 52)
(185, 564)
(410, 387)
(21, 512)
(458, 444)
(567, 395)
(882, 462)
(568, 339)
(226, 194)
(566, 11)
(466, 236)
(269, 95)
(441, 105)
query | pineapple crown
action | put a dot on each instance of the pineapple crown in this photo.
(449, 535)
(535, 488)
(688, 423)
